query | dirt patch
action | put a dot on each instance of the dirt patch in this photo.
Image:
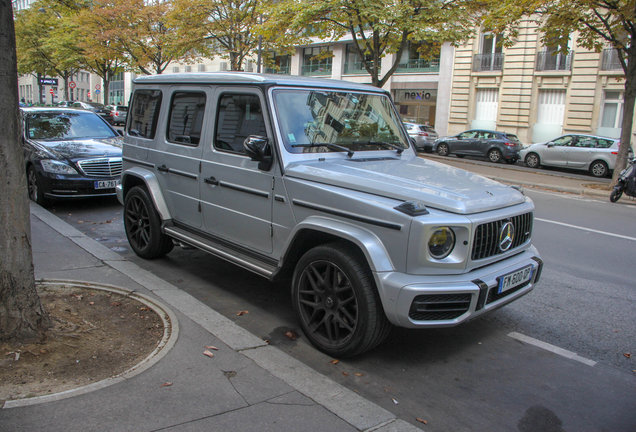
(598, 186)
(96, 335)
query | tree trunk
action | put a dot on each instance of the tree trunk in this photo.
(628, 114)
(21, 314)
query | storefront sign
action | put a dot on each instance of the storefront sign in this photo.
(412, 95)
(48, 81)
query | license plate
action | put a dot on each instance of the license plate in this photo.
(514, 279)
(106, 184)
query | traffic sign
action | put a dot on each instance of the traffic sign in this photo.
(88, 94)
(72, 84)
(51, 91)
(97, 86)
(97, 91)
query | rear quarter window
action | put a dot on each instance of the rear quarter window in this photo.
(604, 143)
(512, 138)
(144, 113)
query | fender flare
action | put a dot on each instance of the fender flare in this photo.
(152, 184)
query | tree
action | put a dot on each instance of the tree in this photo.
(377, 27)
(598, 23)
(219, 27)
(21, 313)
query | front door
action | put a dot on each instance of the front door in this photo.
(236, 196)
(556, 151)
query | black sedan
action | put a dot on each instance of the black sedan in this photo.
(496, 146)
(69, 153)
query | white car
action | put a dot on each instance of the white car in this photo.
(574, 151)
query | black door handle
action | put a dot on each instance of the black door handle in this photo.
(163, 168)
(212, 181)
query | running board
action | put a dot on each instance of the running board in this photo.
(223, 252)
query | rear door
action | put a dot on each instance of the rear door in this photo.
(582, 151)
(236, 196)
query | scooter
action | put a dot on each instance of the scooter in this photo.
(626, 182)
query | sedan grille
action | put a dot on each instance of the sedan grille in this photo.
(103, 167)
(434, 307)
(486, 242)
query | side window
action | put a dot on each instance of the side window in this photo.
(563, 141)
(603, 143)
(186, 118)
(144, 113)
(238, 116)
(585, 142)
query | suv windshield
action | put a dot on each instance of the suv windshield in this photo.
(309, 119)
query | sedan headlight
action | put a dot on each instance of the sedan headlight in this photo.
(441, 243)
(57, 167)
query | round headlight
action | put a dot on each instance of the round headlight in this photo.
(441, 243)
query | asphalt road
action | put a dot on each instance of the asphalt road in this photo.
(474, 377)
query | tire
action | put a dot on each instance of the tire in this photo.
(336, 301)
(495, 156)
(143, 225)
(616, 195)
(36, 194)
(443, 150)
(510, 161)
(532, 160)
(599, 169)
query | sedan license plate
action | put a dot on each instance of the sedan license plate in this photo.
(106, 184)
(514, 279)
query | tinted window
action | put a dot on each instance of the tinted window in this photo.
(239, 116)
(186, 118)
(563, 141)
(66, 125)
(144, 113)
(604, 143)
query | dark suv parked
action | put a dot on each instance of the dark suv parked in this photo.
(496, 146)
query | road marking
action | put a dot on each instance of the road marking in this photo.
(551, 348)
(586, 229)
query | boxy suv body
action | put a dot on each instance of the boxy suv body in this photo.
(316, 181)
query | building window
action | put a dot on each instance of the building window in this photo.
(415, 58)
(550, 115)
(552, 59)
(278, 64)
(490, 57)
(175, 69)
(486, 106)
(317, 60)
(188, 68)
(610, 60)
(201, 68)
(354, 63)
(611, 115)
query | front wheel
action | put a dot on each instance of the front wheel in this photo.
(616, 194)
(532, 160)
(443, 150)
(143, 225)
(336, 301)
(495, 156)
(36, 194)
(599, 169)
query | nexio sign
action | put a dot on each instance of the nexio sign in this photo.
(416, 95)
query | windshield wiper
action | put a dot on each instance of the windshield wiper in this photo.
(350, 152)
(381, 143)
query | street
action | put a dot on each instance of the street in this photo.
(476, 376)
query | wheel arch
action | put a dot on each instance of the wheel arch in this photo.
(142, 177)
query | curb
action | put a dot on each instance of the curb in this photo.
(170, 335)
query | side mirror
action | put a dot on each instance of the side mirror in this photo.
(258, 149)
(550, 145)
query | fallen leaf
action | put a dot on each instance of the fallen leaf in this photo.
(115, 303)
(79, 297)
(358, 374)
(212, 347)
(91, 303)
(291, 335)
(628, 355)
(80, 222)
(335, 361)
(345, 374)
(421, 421)
(208, 353)
(242, 313)
(109, 221)
(167, 384)
(144, 308)
(394, 401)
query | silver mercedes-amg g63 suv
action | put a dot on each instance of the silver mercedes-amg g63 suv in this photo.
(316, 181)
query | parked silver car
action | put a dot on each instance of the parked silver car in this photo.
(574, 151)
(316, 182)
(423, 135)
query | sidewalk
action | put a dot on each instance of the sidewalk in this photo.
(247, 385)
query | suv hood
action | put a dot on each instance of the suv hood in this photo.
(81, 148)
(412, 179)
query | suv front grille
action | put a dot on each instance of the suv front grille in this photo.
(486, 241)
(103, 167)
(434, 307)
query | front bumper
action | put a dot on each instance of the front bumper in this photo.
(415, 301)
(59, 186)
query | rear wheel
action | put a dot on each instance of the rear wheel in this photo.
(143, 225)
(532, 160)
(616, 195)
(336, 301)
(442, 149)
(495, 156)
(599, 169)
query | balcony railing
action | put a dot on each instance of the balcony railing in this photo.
(488, 62)
(419, 65)
(316, 69)
(610, 61)
(548, 61)
(283, 70)
(356, 68)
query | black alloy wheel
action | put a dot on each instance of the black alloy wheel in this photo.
(336, 301)
(532, 160)
(495, 156)
(143, 225)
(35, 190)
(616, 194)
(442, 149)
